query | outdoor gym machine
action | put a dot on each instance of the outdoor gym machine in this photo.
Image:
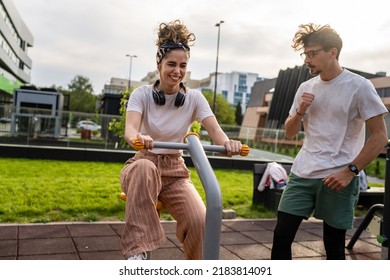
(381, 226)
(210, 184)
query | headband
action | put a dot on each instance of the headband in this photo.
(166, 47)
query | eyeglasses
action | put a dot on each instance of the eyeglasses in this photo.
(310, 54)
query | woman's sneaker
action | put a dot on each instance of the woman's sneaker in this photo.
(141, 256)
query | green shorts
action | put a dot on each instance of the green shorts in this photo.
(304, 197)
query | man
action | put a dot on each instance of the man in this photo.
(335, 106)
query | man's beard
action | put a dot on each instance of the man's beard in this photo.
(313, 71)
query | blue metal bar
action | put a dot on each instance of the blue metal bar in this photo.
(210, 184)
(184, 146)
(212, 238)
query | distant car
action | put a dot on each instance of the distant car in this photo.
(5, 120)
(88, 125)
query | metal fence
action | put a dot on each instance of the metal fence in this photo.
(32, 126)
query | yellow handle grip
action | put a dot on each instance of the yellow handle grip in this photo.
(138, 145)
(244, 150)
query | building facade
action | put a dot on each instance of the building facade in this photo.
(15, 39)
(234, 86)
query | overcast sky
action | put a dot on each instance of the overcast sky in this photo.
(92, 37)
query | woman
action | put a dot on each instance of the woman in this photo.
(164, 111)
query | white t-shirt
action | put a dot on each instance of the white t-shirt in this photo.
(334, 124)
(168, 123)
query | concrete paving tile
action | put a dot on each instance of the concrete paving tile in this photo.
(263, 236)
(9, 258)
(315, 231)
(250, 251)
(172, 237)
(118, 228)
(226, 228)
(8, 248)
(97, 243)
(102, 255)
(43, 231)
(167, 254)
(371, 240)
(239, 225)
(299, 250)
(169, 244)
(303, 235)
(311, 223)
(317, 246)
(371, 256)
(364, 233)
(268, 224)
(46, 246)
(225, 254)
(169, 226)
(73, 256)
(78, 230)
(240, 239)
(362, 246)
(8, 232)
(235, 238)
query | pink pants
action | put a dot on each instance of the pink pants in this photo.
(147, 177)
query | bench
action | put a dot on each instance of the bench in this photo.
(270, 198)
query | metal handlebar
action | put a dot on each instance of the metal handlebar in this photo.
(184, 146)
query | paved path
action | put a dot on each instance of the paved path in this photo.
(240, 239)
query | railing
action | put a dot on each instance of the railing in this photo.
(61, 128)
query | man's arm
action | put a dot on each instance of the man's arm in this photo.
(375, 143)
(371, 149)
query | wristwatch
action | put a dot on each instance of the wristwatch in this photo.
(353, 169)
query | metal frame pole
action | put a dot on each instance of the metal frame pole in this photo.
(385, 254)
(212, 189)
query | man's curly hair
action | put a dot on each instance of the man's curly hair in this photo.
(313, 34)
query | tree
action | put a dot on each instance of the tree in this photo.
(224, 113)
(118, 125)
(238, 113)
(81, 95)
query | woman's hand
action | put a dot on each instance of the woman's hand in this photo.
(145, 140)
(233, 147)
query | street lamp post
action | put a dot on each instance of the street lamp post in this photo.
(216, 64)
(131, 62)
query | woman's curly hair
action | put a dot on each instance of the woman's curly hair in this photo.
(174, 32)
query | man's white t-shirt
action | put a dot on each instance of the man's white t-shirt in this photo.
(334, 124)
(168, 123)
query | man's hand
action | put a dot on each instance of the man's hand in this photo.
(340, 180)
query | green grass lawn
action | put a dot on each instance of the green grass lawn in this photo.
(41, 191)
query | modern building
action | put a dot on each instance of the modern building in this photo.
(257, 109)
(37, 112)
(234, 86)
(15, 39)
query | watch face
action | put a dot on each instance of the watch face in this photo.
(353, 168)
